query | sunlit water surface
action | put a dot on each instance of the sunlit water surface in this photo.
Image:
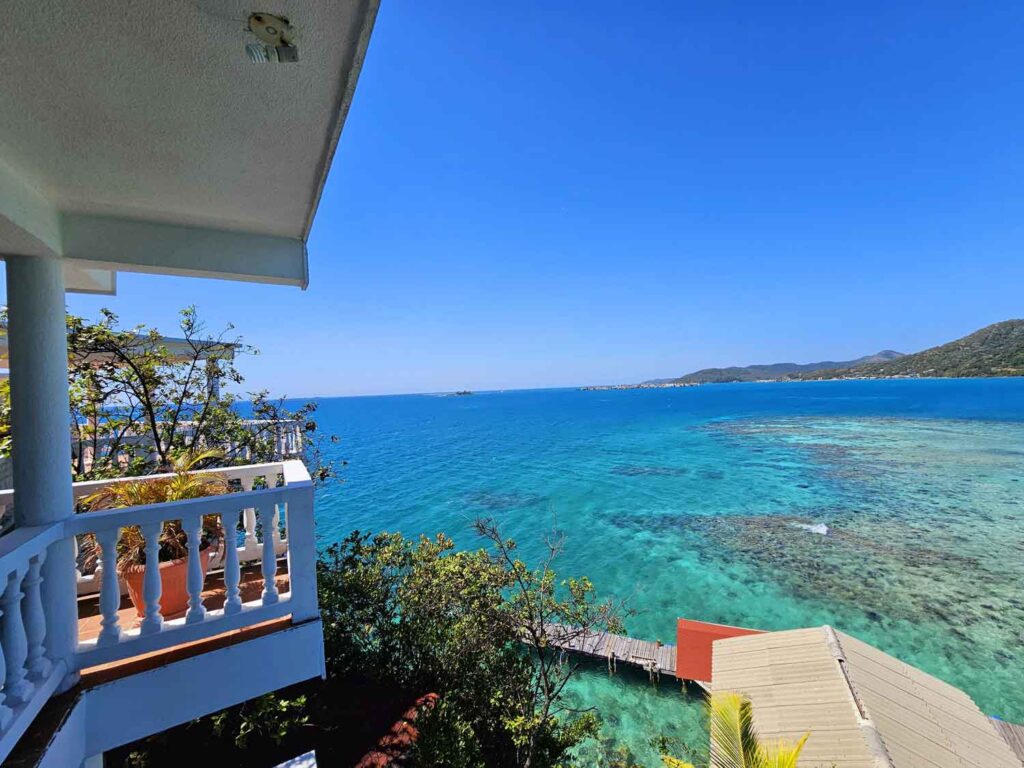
(713, 502)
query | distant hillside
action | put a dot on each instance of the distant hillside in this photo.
(772, 371)
(996, 350)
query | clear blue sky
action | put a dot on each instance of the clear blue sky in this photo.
(541, 194)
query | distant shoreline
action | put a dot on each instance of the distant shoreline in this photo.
(680, 385)
(298, 399)
(995, 351)
(659, 385)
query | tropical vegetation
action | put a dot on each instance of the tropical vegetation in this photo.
(402, 617)
(405, 617)
(734, 739)
(180, 484)
(136, 403)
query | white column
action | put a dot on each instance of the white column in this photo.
(275, 530)
(152, 587)
(17, 686)
(269, 564)
(195, 575)
(37, 664)
(110, 589)
(251, 547)
(302, 556)
(40, 420)
(232, 572)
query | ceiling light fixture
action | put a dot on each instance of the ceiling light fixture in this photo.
(277, 39)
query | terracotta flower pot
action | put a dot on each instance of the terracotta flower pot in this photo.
(173, 581)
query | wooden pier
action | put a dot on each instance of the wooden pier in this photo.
(655, 658)
(688, 660)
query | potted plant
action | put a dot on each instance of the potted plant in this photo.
(179, 485)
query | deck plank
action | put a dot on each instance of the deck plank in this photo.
(639, 653)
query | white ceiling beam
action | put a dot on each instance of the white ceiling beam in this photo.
(79, 278)
(29, 224)
(101, 242)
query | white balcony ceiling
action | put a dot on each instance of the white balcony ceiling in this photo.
(137, 135)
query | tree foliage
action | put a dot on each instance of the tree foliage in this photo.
(735, 742)
(470, 626)
(136, 403)
(406, 617)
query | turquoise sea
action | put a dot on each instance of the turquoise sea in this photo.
(711, 503)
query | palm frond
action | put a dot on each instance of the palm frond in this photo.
(734, 742)
(179, 486)
(186, 461)
(782, 754)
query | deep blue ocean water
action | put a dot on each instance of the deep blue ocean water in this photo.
(711, 503)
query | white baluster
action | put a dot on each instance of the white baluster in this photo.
(78, 571)
(269, 564)
(110, 590)
(97, 573)
(250, 543)
(152, 586)
(5, 712)
(17, 687)
(232, 572)
(276, 532)
(194, 528)
(35, 621)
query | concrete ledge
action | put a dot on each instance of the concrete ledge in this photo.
(115, 713)
(140, 705)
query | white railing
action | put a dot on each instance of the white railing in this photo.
(251, 549)
(286, 437)
(292, 501)
(28, 677)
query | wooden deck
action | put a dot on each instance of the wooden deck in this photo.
(1012, 734)
(652, 657)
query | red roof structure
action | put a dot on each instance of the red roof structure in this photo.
(693, 646)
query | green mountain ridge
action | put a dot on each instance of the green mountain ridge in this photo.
(771, 371)
(995, 350)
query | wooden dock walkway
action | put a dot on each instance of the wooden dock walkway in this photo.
(654, 658)
(1012, 734)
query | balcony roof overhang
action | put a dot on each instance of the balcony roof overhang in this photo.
(138, 136)
(178, 350)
